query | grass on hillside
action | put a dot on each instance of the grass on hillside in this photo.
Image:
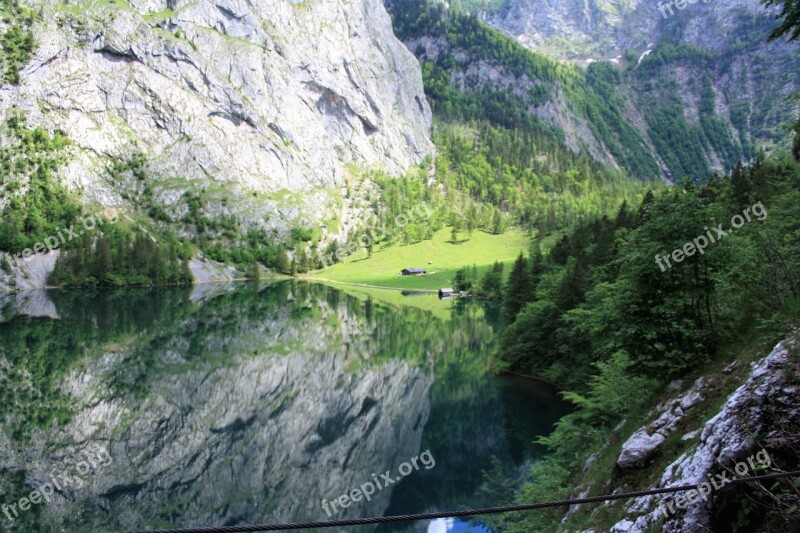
(383, 268)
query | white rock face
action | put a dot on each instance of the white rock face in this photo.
(646, 441)
(250, 98)
(33, 303)
(29, 274)
(726, 439)
(206, 271)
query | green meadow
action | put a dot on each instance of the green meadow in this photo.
(439, 256)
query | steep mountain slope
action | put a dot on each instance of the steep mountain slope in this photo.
(672, 97)
(749, 81)
(245, 103)
(583, 29)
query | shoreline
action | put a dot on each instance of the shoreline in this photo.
(367, 285)
(540, 379)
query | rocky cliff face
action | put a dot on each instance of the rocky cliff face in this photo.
(247, 101)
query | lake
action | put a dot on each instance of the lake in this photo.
(253, 403)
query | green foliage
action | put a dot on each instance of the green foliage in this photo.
(681, 145)
(666, 53)
(409, 211)
(17, 42)
(605, 273)
(518, 290)
(602, 318)
(39, 355)
(254, 272)
(463, 280)
(218, 236)
(37, 206)
(717, 131)
(472, 6)
(687, 147)
(613, 392)
(301, 234)
(528, 179)
(492, 282)
(495, 152)
(130, 178)
(603, 108)
(490, 285)
(545, 481)
(120, 256)
(594, 94)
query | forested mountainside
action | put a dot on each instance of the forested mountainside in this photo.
(212, 113)
(649, 343)
(675, 97)
(219, 130)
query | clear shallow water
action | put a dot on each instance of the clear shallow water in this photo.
(252, 404)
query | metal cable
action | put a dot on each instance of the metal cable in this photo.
(458, 514)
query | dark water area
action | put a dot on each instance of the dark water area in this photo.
(252, 403)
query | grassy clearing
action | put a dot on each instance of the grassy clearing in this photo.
(383, 268)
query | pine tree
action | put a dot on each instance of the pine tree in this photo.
(460, 281)
(518, 290)
(537, 266)
(282, 262)
(254, 272)
(103, 264)
(186, 272)
(302, 260)
(472, 219)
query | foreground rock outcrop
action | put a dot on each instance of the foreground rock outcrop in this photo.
(759, 416)
(645, 442)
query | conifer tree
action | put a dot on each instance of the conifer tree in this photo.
(518, 290)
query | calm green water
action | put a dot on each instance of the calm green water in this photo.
(250, 404)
